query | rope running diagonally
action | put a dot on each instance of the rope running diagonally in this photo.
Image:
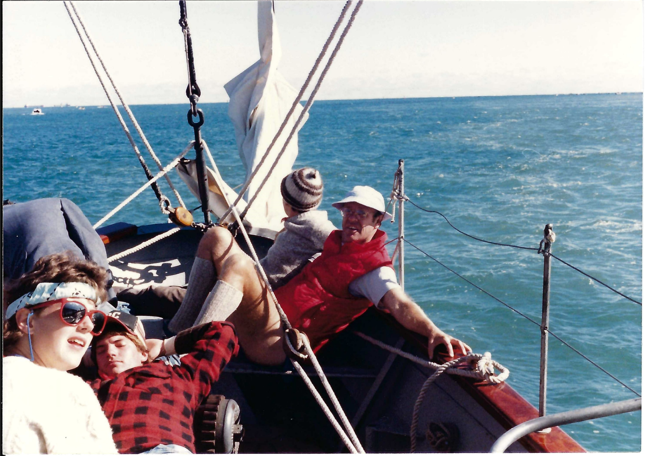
(525, 316)
(116, 111)
(352, 442)
(123, 103)
(474, 285)
(596, 280)
(520, 247)
(307, 106)
(143, 245)
(293, 106)
(161, 173)
(485, 370)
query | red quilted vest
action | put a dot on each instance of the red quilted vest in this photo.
(317, 301)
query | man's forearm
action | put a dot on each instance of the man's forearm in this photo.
(408, 313)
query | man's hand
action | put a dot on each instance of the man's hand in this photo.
(155, 347)
(410, 315)
(439, 337)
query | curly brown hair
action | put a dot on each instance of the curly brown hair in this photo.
(58, 267)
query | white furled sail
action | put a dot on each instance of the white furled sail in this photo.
(260, 98)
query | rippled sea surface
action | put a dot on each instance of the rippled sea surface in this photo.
(499, 168)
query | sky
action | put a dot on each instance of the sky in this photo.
(395, 49)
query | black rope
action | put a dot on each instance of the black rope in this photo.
(466, 234)
(596, 280)
(476, 286)
(592, 362)
(525, 248)
(525, 316)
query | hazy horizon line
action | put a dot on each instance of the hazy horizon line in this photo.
(67, 105)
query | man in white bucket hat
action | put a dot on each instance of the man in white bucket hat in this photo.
(353, 271)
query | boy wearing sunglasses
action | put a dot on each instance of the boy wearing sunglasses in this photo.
(151, 406)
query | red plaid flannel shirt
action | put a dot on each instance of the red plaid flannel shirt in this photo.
(155, 403)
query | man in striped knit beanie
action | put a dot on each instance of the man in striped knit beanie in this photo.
(221, 269)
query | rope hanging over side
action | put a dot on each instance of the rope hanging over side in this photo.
(125, 106)
(480, 367)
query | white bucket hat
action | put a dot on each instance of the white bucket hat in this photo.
(367, 196)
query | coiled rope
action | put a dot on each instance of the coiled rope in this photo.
(125, 106)
(480, 367)
(484, 370)
(525, 317)
(296, 102)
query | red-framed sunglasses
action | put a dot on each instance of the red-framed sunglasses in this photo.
(72, 313)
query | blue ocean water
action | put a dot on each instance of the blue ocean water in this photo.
(499, 168)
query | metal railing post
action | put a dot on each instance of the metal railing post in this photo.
(401, 227)
(545, 249)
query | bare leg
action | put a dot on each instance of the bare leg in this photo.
(256, 319)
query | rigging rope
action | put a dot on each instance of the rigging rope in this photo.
(465, 234)
(352, 442)
(125, 106)
(143, 245)
(293, 106)
(596, 280)
(474, 285)
(485, 367)
(162, 173)
(310, 101)
(525, 316)
(515, 246)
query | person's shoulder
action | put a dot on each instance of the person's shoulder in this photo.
(19, 372)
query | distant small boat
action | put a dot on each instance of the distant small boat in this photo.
(82, 108)
(37, 112)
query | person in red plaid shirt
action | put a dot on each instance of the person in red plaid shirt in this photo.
(151, 406)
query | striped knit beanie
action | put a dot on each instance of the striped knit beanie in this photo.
(302, 189)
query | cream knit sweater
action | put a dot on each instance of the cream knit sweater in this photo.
(50, 411)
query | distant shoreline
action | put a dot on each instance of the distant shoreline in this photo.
(106, 105)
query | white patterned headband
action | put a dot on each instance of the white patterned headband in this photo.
(47, 291)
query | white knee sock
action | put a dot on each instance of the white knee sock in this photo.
(202, 278)
(220, 303)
